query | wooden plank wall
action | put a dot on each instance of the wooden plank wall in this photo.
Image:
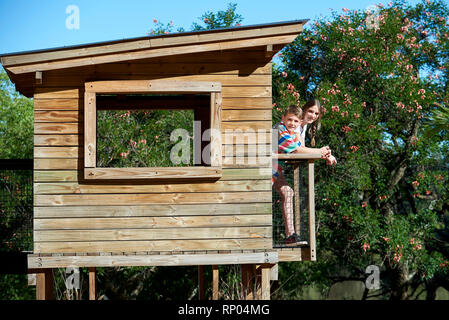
(234, 213)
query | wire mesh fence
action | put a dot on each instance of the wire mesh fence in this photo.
(290, 204)
(16, 205)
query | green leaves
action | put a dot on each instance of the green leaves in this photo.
(16, 122)
(140, 138)
(221, 19)
(384, 87)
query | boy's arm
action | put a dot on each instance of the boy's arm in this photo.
(324, 151)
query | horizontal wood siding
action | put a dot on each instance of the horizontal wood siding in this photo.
(233, 213)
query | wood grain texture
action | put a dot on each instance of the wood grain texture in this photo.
(152, 173)
(195, 259)
(156, 245)
(56, 116)
(141, 199)
(56, 80)
(55, 128)
(219, 186)
(152, 222)
(151, 53)
(152, 234)
(164, 41)
(54, 175)
(57, 140)
(153, 210)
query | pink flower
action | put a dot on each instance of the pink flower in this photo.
(284, 74)
(354, 148)
(356, 115)
(364, 204)
(386, 239)
(154, 20)
(397, 257)
(365, 246)
(415, 183)
(335, 108)
(346, 129)
(412, 241)
(143, 141)
(123, 154)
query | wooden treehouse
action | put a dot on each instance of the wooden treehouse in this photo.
(215, 212)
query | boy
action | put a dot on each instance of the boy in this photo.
(287, 142)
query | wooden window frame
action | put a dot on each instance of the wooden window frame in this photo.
(92, 172)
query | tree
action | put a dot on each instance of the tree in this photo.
(209, 21)
(16, 122)
(16, 199)
(221, 19)
(380, 77)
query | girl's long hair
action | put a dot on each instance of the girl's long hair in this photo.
(315, 126)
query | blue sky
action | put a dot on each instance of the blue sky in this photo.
(32, 25)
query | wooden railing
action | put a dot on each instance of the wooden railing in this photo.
(295, 159)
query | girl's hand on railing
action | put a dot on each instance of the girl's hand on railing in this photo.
(330, 160)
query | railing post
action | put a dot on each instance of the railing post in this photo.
(296, 197)
(215, 282)
(311, 205)
(44, 284)
(92, 283)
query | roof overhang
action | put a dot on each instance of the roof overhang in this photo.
(273, 36)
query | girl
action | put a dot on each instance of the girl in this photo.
(311, 116)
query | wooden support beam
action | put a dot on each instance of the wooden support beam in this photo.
(201, 295)
(92, 283)
(35, 261)
(265, 281)
(215, 282)
(269, 51)
(257, 282)
(311, 201)
(44, 284)
(297, 211)
(38, 77)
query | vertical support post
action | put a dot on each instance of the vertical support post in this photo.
(247, 281)
(265, 281)
(90, 130)
(215, 279)
(92, 283)
(201, 282)
(257, 281)
(296, 196)
(215, 126)
(44, 284)
(311, 205)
